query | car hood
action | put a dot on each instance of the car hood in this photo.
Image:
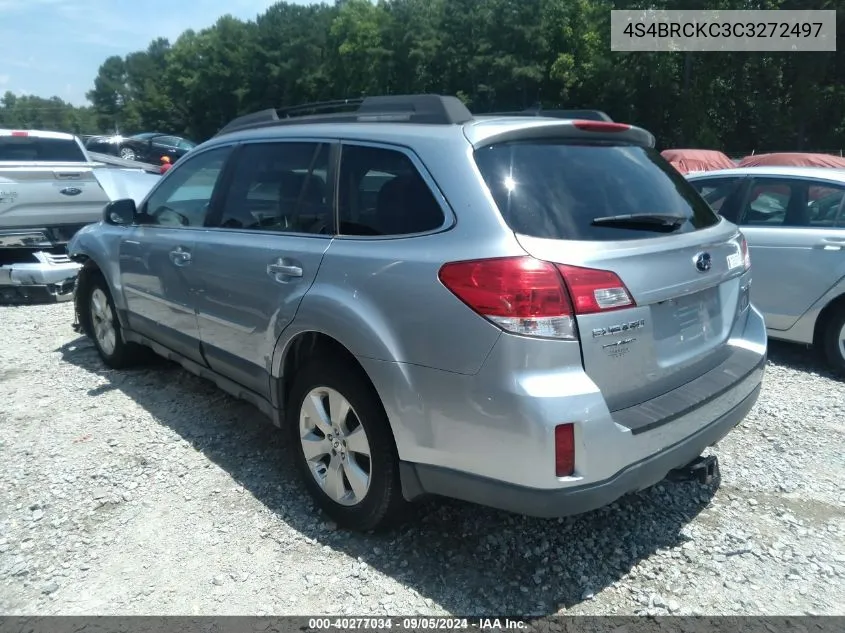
(126, 183)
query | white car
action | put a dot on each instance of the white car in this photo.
(794, 221)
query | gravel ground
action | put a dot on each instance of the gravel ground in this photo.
(150, 492)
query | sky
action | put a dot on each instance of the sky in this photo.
(55, 47)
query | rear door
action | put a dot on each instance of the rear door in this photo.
(46, 181)
(796, 232)
(256, 264)
(566, 199)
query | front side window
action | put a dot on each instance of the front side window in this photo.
(383, 194)
(184, 197)
(280, 187)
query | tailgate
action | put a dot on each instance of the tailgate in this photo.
(657, 279)
(49, 194)
(681, 321)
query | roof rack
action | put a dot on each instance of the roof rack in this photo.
(589, 115)
(422, 108)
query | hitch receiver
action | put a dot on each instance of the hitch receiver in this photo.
(704, 470)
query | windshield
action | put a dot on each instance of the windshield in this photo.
(557, 190)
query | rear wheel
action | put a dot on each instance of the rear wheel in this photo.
(99, 318)
(834, 341)
(343, 445)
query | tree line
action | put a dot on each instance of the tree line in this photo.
(493, 54)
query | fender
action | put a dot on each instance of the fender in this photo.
(100, 243)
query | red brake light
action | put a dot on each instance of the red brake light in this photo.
(564, 450)
(528, 296)
(20, 133)
(595, 290)
(746, 254)
(520, 294)
(601, 126)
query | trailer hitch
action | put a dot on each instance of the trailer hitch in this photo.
(704, 470)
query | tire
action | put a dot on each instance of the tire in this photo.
(127, 153)
(324, 381)
(833, 342)
(99, 319)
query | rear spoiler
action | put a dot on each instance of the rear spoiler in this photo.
(492, 131)
(584, 115)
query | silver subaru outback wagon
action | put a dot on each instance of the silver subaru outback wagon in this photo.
(535, 314)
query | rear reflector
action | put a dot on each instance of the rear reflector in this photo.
(564, 450)
(595, 290)
(528, 296)
(601, 126)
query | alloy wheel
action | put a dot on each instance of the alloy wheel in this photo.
(335, 446)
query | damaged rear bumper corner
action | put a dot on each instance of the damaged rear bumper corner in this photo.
(50, 279)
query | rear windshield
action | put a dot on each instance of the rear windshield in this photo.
(555, 190)
(33, 148)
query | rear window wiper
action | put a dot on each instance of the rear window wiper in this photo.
(645, 221)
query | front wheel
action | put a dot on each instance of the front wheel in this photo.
(127, 153)
(834, 342)
(99, 318)
(343, 445)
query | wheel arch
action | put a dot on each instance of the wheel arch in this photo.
(827, 313)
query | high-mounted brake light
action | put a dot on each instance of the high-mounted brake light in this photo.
(20, 133)
(595, 290)
(601, 126)
(746, 254)
(527, 296)
(564, 450)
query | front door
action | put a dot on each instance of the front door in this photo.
(255, 266)
(157, 268)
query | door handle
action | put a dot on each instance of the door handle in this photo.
(832, 244)
(180, 257)
(280, 270)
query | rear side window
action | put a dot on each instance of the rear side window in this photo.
(34, 148)
(383, 193)
(556, 190)
(716, 190)
(792, 202)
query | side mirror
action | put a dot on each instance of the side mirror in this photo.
(120, 212)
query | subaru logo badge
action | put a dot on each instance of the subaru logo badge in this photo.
(703, 262)
(71, 191)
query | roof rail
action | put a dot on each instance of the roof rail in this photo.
(421, 108)
(589, 115)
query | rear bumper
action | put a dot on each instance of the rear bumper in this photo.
(49, 279)
(418, 479)
(489, 437)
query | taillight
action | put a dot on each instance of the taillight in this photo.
(564, 450)
(595, 290)
(528, 296)
(746, 254)
(601, 126)
(522, 295)
(20, 133)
